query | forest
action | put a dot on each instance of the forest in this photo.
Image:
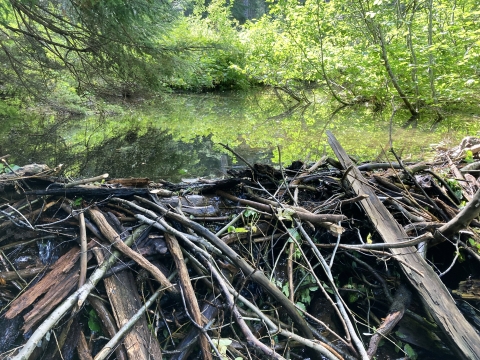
(71, 55)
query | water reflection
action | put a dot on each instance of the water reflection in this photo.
(176, 137)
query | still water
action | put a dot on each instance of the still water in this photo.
(178, 136)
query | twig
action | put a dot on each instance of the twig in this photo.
(251, 339)
(188, 292)
(457, 253)
(83, 250)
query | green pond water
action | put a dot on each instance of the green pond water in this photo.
(178, 136)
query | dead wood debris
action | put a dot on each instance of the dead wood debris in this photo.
(288, 263)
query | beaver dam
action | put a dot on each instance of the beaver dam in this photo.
(331, 260)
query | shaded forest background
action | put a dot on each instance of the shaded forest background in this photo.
(72, 56)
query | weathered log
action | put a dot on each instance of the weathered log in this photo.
(122, 292)
(55, 285)
(462, 336)
(90, 191)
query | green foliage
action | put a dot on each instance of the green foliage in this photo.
(67, 54)
(222, 345)
(306, 286)
(455, 186)
(468, 156)
(339, 42)
(474, 244)
(77, 202)
(8, 169)
(354, 295)
(233, 229)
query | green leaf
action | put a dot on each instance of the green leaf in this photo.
(295, 234)
(285, 214)
(249, 213)
(468, 156)
(410, 352)
(77, 202)
(352, 297)
(222, 345)
(93, 321)
(301, 306)
(286, 289)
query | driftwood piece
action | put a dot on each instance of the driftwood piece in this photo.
(188, 291)
(460, 221)
(209, 311)
(130, 182)
(82, 348)
(462, 336)
(122, 292)
(30, 170)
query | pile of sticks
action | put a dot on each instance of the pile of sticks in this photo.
(237, 268)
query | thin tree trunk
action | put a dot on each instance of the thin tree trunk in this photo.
(431, 60)
(392, 76)
(413, 56)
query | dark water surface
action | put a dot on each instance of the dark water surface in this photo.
(178, 136)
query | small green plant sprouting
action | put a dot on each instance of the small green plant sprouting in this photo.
(250, 220)
(77, 202)
(474, 244)
(456, 188)
(468, 156)
(307, 285)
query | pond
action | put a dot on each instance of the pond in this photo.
(179, 136)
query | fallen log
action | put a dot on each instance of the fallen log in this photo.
(462, 336)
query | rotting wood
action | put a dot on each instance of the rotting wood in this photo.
(82, 348)
(461, 335)
(76, 299)
(57, 284)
